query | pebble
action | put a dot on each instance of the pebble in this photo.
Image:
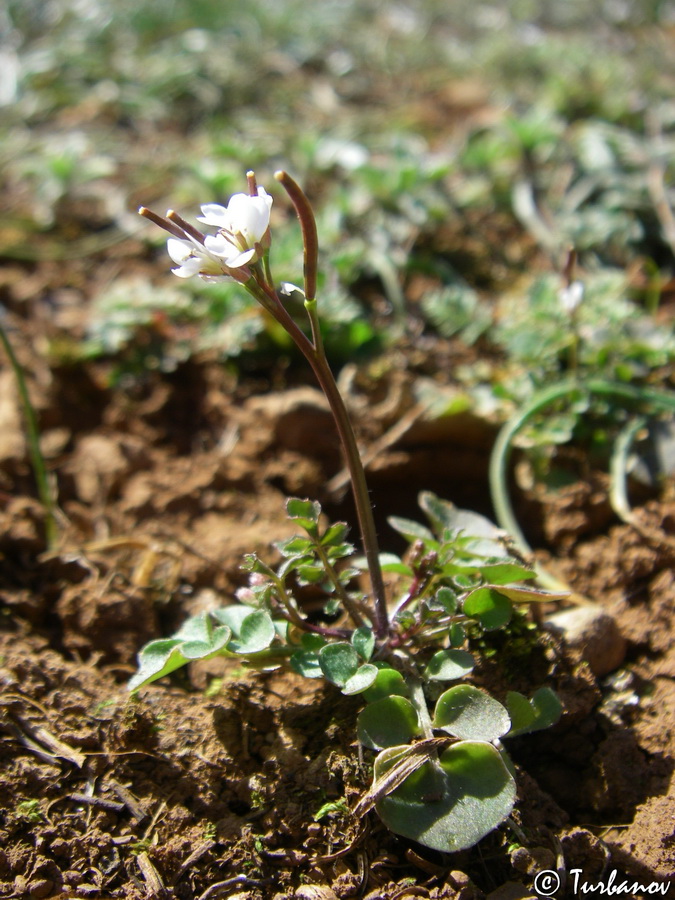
(594, 634)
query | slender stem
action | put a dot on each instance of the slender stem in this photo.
(419, 701)
(347, 601)
(314, 352)
(364, 511)
(44, 487)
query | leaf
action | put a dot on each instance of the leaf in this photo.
(506, 573)
(387, 682)
(389, 562)
(449, 665)
(545, 707)
(451, 804)
(338, 661)
(448, 599)
(411, 531)
(491, 608)
(251, 563)
(521, 712)
(196, 639)
(253, 629)
(305, 513)
(445, 516)
(310, 641)
(306, 663)
(468, 713)
(363, 641)
(530, 595)
(311, 574)
(361, 680)
(441, 513)
(457, 635)
(387, 723)
(294, 546)
(339, 551)
(335, 534)
(303, 509)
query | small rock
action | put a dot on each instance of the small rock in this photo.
(41, 887)
(529, 861)
(594, 634)
(315, 892)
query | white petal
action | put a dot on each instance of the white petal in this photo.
(250, 216)
(241, 259)
(179, 251)
(190, 268)
(262, 193)
(215, 214)
(218, 245)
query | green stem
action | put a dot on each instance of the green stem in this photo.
(347, 601)
(419, 701)
(618, 464)
(657, 400)
(37, 459)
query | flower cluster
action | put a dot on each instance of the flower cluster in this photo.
(241, 239)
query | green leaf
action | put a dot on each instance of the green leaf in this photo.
(441, 513)
(251, 563)
(521, 712)
(311, 574)
(491, 608)
(545, 706)
(294, 546)
(387, 723)
(311, 641)
(363, 641)
(387, 682)
(292, 562)
(335, 534)
(457, 635)
(452, 804)
(411, 531)
(482, 535)
(448, 600)
(389, 562)
(506, 573)
(338, 661)
(468, 713)
(361, 680)
(303, 509)
(196, 639)
(530, 595)
(253, 629)
(306, 663)
(449, 665)
(305, 513)
(339, 551)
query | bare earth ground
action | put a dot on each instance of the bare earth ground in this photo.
(202, 788)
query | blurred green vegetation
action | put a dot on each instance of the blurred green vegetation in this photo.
(454, 153)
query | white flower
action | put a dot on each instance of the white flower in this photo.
(571, 296)
(242, 226)
(192, 258)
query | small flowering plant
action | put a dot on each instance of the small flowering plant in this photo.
(405, 643)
